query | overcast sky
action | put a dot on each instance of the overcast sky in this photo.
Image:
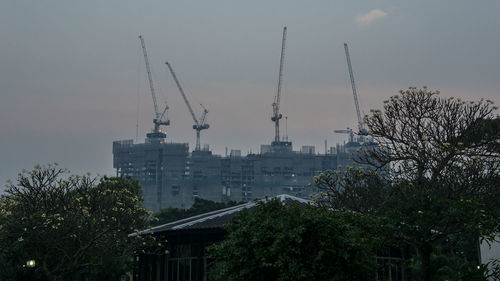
(73, 80)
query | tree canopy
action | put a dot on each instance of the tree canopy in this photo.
(70, 226)
(285, 242)
(200, 206)
(436, 172)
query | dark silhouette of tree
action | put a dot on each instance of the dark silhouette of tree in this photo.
(200, 206)
(73, 227)
(286, 242)
(436, 171)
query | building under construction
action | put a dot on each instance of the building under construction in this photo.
(172, 176)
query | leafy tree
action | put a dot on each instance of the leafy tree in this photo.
(443, 162)
(448, 267)
(200, 206)
(285, 242)
(73, 227)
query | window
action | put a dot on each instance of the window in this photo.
(189, 268)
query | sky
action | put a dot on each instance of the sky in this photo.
(73, 79)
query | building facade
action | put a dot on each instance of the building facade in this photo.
(172, 177)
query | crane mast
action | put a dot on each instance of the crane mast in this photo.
(276, 104)
(362, 130)
(198, 124)
(158, 120)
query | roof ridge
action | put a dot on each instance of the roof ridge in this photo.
(182, 223)
(227, 212)
(152, 229)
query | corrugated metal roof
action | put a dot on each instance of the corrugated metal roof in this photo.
(218, 218)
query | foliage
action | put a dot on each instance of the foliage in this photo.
(200, 206)
(72, 226)
(443, 161)
(492, 271)
(449, 267)
(284, 242)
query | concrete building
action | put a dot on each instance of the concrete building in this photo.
(159, 167)
(172, 177)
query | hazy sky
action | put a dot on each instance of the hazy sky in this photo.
(72, 76)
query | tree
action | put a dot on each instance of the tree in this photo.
(437, 164)
(285, 242)
(200, 206)
(72, 227)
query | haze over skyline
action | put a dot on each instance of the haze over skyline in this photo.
(72, 75)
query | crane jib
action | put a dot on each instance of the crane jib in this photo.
(157, 121)
(354, 92)
(276, 105)
(199, 124)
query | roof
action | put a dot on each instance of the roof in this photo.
(218, 218)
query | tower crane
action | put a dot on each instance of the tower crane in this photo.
(199, 124)
(362, 130)
(158, 120)
(276, 104)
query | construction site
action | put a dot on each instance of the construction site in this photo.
(171, 175)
